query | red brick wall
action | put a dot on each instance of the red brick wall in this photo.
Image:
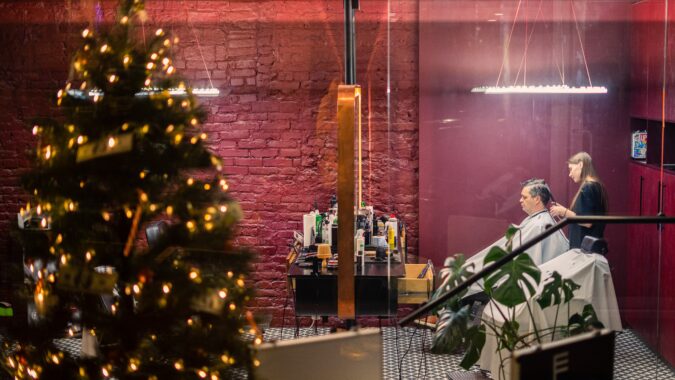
(277, 65)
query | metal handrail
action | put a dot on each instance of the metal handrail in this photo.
(427, 307)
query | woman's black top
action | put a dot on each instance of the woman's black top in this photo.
(589, 202)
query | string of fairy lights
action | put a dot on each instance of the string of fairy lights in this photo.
(204, 219)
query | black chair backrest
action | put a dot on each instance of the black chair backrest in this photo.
(592, 244)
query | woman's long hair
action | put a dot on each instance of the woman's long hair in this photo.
(588, 170)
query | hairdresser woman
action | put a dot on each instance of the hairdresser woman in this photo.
(590, 199)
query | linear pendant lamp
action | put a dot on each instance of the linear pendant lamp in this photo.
(555, 89)
(146, 91)
(210, 91)
(525, 88)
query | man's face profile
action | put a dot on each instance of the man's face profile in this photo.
(527, 202)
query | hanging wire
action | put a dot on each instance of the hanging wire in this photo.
(508, 42)
(562, 59)
(199, 47)
(561, 71)
(581, 43)
(527, 44)
(523, 65)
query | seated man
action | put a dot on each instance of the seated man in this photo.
(534, 197)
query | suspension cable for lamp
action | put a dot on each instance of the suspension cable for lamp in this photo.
(539, 89)
(508, 42)
(583, 53)
(527, 44)
(199, 47)
(561, 72)
(562, 60)
(557, 66)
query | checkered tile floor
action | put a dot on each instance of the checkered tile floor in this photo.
(405, 352)
(406, 355)
(633, 360)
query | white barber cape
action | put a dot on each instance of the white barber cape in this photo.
(590, 271)
(547, 249)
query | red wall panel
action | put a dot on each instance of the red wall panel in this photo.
(667, 288)
(640, 23)
(475, 149)
(648, 61)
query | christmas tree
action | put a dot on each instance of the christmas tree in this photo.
(127, 152)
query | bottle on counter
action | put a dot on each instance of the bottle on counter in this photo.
(391, 239)
(391, 228)
(359, 243)
(308, 225)
(326, 231)
(380, 228)
(318, 227)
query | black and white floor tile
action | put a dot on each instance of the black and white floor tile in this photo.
(633, 360)
(407, 356)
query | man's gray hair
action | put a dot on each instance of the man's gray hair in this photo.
(538, 188)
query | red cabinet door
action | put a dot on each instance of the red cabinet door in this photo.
(631, 304)
(634, 284)
(667, 285)
(640, 310)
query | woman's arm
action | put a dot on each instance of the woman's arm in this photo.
(563, 212)
(558, 210)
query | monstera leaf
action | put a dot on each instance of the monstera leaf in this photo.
(557, 291)
(588, 320)
(453, 332)
(451, 329)
(475, 339)
(452, 274)
(510, 335)
(509, 283)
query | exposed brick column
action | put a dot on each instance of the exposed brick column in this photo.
(277, 65)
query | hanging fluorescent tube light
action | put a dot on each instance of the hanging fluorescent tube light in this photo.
(556, 89)
(206, 92)
(201, 92)
(540, 89)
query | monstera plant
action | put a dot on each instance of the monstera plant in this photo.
(514, 284)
